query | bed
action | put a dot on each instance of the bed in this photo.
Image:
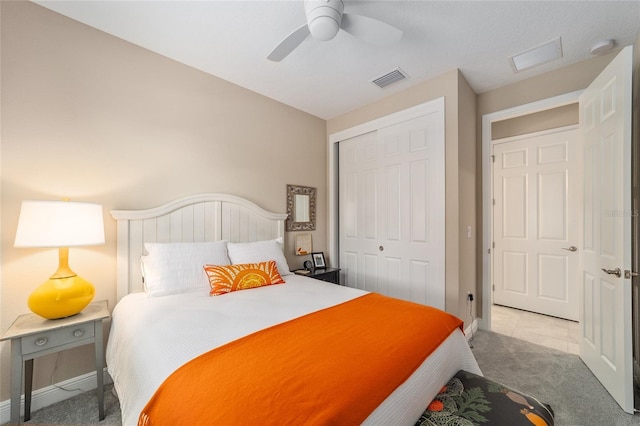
(158, 329)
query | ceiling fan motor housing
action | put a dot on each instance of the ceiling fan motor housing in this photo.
(324, 18)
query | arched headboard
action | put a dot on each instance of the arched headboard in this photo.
(202, 217)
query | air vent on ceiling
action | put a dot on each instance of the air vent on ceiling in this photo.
(538, 55)
(390, 78)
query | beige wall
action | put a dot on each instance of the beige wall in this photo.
(549, 119)
(460, 168)
(566, 80)
(88, 116)
(468, 198)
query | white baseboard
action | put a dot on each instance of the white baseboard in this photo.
(468, 332)
(51, 394)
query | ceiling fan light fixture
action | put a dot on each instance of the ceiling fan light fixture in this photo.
(324, 18)
(324, 28)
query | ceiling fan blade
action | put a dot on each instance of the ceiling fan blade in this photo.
(370, 30)
(288, 45)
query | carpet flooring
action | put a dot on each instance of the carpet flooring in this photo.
(554, 377)
(557, 378)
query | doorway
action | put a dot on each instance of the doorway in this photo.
(488, 122)
(605, 298)
(536, 198)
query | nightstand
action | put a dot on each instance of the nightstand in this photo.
(33, 336)
(331, 275)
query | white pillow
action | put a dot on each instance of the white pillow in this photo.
(259, 251)
(171, 268)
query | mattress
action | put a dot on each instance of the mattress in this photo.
(153, 336)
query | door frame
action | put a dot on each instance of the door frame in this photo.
(487, 192)
(333, 246)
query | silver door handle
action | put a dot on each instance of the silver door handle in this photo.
(617, 272)
(572, 248)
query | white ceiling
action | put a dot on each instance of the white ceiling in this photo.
(231, 39)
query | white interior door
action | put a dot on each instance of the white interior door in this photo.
(392, 210)
(535, 185)
(605, 255)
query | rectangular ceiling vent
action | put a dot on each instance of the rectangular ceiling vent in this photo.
(546, 52)
(390, 78)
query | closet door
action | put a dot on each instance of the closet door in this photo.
(392, 210)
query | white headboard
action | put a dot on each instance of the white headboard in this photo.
(202, 217)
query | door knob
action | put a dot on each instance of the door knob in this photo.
(572, 248)
(617, 272)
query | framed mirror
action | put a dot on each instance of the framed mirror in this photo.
(301, 208)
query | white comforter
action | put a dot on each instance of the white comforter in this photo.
(152, 336)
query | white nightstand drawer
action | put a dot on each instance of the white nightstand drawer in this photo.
(53, 338)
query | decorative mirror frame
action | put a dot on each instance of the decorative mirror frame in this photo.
(292, 191)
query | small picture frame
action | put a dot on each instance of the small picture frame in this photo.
(318, 260)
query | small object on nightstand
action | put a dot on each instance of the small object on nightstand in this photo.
(32, 336)
(318, 260)
(331, 275)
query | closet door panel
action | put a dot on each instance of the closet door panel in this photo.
(392, 194)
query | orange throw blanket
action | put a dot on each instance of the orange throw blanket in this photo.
(333, 366)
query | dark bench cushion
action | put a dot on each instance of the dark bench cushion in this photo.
(469, 399)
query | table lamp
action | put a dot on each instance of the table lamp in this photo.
(60, 224)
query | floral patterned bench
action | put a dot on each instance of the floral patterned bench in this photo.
(469, 399)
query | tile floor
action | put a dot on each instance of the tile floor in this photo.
(543, 330)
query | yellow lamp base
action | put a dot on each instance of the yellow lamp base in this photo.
(61, 297)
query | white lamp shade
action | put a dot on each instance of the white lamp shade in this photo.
(59, 224)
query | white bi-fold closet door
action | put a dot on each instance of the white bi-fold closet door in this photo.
(391, 209)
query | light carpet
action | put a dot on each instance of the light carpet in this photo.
(554, 377)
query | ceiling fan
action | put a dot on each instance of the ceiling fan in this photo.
(325, 18)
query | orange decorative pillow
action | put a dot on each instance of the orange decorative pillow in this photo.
(226, 278)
